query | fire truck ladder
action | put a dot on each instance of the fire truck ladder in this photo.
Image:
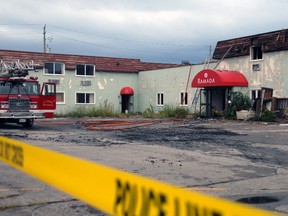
(16, 68)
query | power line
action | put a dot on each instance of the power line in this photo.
(159, 53)
(159, 43)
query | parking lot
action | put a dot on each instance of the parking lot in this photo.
(237, 160)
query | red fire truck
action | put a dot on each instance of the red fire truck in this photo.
(22, 98)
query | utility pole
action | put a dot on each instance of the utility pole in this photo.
(210, 52)
(44, 38)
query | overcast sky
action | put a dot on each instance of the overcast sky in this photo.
(151, 30)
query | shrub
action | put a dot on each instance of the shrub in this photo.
(103, 110)
(171, 112)
(181, 112)
(239, 102)
(149, 112)
(268, 116)
(77, 112)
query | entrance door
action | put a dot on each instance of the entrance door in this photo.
(205, 103)
(125, 100)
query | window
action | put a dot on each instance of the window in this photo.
(48, 89)
(60, 98)
(160, 99)
(256, 53)
(54, 68)
(85, 98)
(85, 70)
(25, 88)
(184, 98)
(255, 93)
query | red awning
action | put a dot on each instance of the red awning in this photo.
(211, 78)
(127, 91)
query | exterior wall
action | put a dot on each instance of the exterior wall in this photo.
(273, 72)
(170, 82)
(106, 86)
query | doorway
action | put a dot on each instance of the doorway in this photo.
(127, 97)
(214, 101)
(205, 102)
(125, 103)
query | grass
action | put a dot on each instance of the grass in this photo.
(103, 110)
(173, 112)
(107, 110)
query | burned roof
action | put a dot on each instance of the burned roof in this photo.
(269, 42)
(105, 64)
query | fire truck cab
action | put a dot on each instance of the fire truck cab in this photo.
(22, 98)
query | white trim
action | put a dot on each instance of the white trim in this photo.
(252, 53)
(256, 93)
(157, 104)
(94, 71)
(180, 99)
(64, 96)
(94, 98)
(48, 74)
(42, 111)
(31, 111)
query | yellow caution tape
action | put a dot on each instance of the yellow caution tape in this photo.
(112, 191)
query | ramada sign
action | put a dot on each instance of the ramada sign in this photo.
(205, 79)
(213, 78)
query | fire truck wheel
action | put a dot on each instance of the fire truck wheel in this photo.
(29, 123)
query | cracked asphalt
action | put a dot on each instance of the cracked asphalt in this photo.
(244, 161)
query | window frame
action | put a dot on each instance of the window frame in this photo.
(183, 95)
(161, 99)
(258, 93)
(252, 53)
(64, 98)
(85, 70)
(54, 68)
(85, 93)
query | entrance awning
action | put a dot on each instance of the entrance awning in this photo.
(214, 78)
(127, 91)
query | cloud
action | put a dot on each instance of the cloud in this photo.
(143, 29)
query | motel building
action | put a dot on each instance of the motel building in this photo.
(256, 65)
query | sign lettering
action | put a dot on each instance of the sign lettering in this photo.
(206, 81)
(128, 197)
(131, 200)
(12, 153)
(48, 103)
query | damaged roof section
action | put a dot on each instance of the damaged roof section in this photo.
(105, 64)
(269, 42)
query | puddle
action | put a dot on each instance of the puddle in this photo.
(258, 200)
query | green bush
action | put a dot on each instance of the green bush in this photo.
(181, 112)
(239, 102)
(172, 112)
(76, 112)
(268, 116)
(103, 110)
(149, 112)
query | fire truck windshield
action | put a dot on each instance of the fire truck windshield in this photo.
(15, 87)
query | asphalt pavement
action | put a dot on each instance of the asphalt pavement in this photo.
(241, 161)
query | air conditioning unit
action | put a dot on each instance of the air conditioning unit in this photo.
(256, 67)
